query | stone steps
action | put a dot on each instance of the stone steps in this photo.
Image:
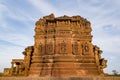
(65, 66)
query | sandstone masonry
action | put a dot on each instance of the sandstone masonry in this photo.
(62, 48)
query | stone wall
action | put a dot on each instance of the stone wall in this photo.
(59, 78)
(63, 48)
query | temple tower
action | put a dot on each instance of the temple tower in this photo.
(63, 48)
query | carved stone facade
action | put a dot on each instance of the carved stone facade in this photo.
(20, 67)
(63, 48)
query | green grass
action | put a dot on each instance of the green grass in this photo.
(110, 75)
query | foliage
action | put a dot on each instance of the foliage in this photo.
(115, 72)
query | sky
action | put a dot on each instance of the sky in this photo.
(18, 17)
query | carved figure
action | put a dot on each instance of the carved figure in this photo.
(75, 48)
(103, 63)
(50, 47)
(56, 35)
(85, 48)
(63, 47)
(40, 47)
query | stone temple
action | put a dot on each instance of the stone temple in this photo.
(62, 48)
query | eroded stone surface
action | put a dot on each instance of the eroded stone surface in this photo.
(62, 48)
(59, 78)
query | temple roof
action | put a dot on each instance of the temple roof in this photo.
(17, 60)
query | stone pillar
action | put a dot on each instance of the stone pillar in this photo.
(26, 69)
(96, 49)
(20, 69)
(11, 73)
(17, 68)
(28, 58)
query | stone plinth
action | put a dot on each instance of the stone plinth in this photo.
(59, 78)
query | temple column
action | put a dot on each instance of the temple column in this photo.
(26, 70)
(28, 57)
(12, 68)
(26, 64)
(20, 69)
(17, 68)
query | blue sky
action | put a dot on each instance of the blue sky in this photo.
(18, 17)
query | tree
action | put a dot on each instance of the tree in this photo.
(115, 72)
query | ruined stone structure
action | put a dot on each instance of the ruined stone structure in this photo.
(62, 48)
(20, 67)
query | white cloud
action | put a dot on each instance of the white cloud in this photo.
(2, 20)
(44, 7)
(13, 35)
(9, 11)
(7, 54)
(19, 39)
(101, 13)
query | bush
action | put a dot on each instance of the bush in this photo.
(115, 72)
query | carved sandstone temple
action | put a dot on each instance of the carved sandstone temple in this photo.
(62, 48)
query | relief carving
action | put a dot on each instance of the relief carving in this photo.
(49, 48)
(75, 48)
(103, 63)
(63, 47)
(85, 48)
(51, 55)
(40, 48)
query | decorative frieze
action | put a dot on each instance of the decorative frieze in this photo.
(62, 48)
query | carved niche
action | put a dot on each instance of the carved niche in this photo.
(75, 48)
(85, 48)
(40, 48)
(63, 46)
(103, 63)
(49, 48)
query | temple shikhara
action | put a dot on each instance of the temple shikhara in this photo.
(63, 47)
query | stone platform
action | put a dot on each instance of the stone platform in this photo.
(59, 78)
